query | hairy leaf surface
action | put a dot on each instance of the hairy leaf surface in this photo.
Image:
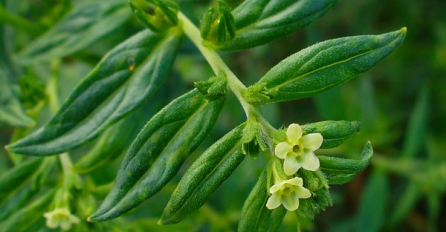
(262, 21)
(323, 66)
(204, 176)
(333, 132)
(159, 151)
(124, 79)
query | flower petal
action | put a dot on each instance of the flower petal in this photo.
(297, 181)
(302, 192)
(294, 133)
(65, 224)
(290, 166)
(282, 149)
(312, 142)
(290, 201)
(273, 201)
(309, 161)
(276, 187)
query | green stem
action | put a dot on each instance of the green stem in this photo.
(219, 67)
(18, 22)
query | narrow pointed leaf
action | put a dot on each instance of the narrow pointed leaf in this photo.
(81, 27)
(340, 170)
(323, 66)
(204, 177)
(11, 112)
(262, 21)
(333, 132)
(124, 79)
(159, 151)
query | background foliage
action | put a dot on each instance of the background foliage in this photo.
(400, 103)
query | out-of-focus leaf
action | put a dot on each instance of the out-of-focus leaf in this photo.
(262, 21)
(323, 66)
(204, 176)
(159, 150)
(416, 133)
(123, 80)
(11, 112)
(81, 27)
(151, 224)
(25, 217)
(372, 208)
(333, 132)
(340, 170)
(17, 177)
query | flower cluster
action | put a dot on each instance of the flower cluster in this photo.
(297, 152)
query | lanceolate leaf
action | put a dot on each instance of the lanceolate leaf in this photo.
(340, 170)
(11, 112)
(323, 66)
(255, 216)
(159, 151)
(333, 132)
(125, 78)
(80, 28)
(204, 176)
(262, 21)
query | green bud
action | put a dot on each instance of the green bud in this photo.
(157, 15)
(218, 25)
(214, 87)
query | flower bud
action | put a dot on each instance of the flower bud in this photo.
(218, 25)
(157, 15)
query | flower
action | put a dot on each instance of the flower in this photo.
(287, 193)
(298, 150)
(60, 217)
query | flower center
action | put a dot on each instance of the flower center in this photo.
(296, 148)
(287, 190)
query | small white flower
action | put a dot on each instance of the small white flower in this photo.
(60, 217)
(298, 150)
(287, 193)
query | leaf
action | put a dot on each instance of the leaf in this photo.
(122, 81)
(158, 152)
(83, 26)
(25, 217)
(333, 132)
(262, 21)
(117, 139)
(11, 111)
(323, 66)
(18, 176)
(205, 176)
(372, 208)
(405, 203)
(340, 170)
(255, 216)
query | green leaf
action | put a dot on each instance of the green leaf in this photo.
(18, 176)
(158, 152)
(323, 66)
(262, 21)
(340, 170)
(124, 79)
(205, 176)
(117, 139)
(372, 208)
(406, 202)
(25, 217)
(83, 26)
(333, 132)
(255, 216)
(11, 112)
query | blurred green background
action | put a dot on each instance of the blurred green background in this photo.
(401, 104)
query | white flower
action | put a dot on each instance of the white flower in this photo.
(298, 150)
(287, 193)
(60, 217)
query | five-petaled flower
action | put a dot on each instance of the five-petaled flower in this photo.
(287, 193)
(60, 217)
(298, 150)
